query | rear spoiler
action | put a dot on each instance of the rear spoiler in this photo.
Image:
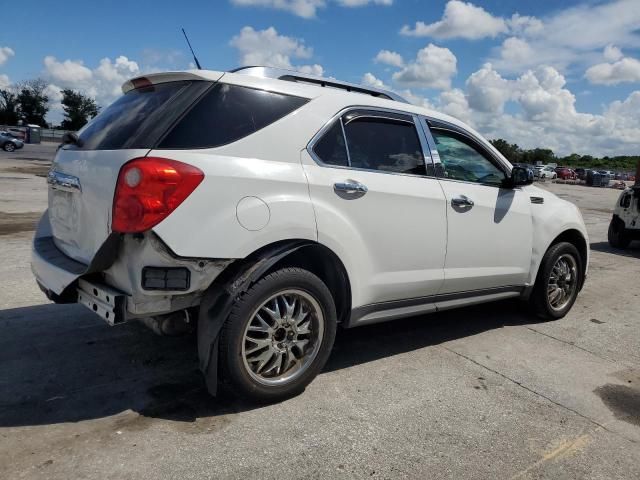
(156, 78)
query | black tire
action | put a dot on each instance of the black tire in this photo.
(232, 365)
(539, 299)
(8, 147)
(617, 235)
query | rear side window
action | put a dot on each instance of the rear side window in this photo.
(122, 123)
(625, 201)
(228, 113)
(331, 149)
(384, 144)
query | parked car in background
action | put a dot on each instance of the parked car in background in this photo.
(565, 173)
(581, 173)
(607, 176)
(273, 209)
(548, 172)
(527, 166)
(8, 142)
(624, 227)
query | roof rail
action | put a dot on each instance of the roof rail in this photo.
(294, 76)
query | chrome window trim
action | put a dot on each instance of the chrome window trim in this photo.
(426, 151)
(344, 137)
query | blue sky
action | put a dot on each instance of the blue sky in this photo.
(545, 73)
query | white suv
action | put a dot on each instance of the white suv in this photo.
(274, 206)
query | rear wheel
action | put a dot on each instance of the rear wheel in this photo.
(617, 234)
(9, 147)
(278, 336)
(558, 281)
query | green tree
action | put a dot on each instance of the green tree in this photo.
(33, 102)
(543, 155)
(511, 152)
(8, 107)
(78, 109)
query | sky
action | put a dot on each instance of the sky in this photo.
(560, 75)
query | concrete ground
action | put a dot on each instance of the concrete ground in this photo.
(484, 392)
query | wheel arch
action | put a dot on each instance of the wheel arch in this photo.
(238, 277)
(577, 239)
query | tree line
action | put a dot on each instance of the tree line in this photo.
(28, 101)
(515, 154)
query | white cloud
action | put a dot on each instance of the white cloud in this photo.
(516, 51)
(433, 68)
(573, 36)
(370, 80)
(69, 71)
(301, 8)
(267, 47)
(454, 102)
(362, 3)
(389, 58)
(306, 8)
(487, 91)
(5, 54)
(612, 53)
(525, 25)
(4, 81)
(545, 113)
(102, 83)
(460, 20)
(621, 70)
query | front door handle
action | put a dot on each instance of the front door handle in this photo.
(349, 189)
(461, 201)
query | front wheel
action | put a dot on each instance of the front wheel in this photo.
(558, 282)
(617, 236)
(9, 147)
(278, 336)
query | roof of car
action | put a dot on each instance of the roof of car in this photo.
(310, 86)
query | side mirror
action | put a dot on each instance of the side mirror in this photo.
(521, 176)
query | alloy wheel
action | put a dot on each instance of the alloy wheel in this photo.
(562, 282)
(283, 337)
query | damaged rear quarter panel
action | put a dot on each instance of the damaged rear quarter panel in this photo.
(147, 250)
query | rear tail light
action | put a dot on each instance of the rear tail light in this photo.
(148, 190)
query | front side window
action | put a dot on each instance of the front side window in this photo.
(462, 161)
(384, 144)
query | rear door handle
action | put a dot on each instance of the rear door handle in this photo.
(350, 189)
(462, 201)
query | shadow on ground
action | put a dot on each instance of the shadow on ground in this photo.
(632, 250)
(60, 363)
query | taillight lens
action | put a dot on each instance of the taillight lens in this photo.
(148, 190)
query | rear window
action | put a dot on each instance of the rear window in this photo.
(122, 123)
(228, 113)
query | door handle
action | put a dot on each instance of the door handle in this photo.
(349, 189)
(462, 201)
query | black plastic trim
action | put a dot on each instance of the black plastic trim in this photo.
(359, 312)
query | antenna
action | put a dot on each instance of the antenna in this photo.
(192, 53)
